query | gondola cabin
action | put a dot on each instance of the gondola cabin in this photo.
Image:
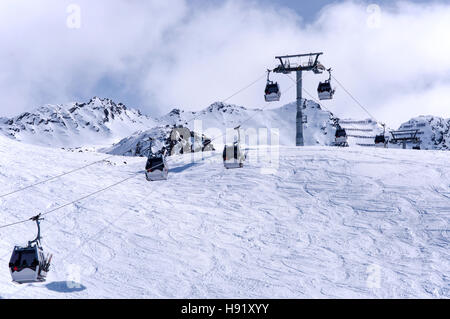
(341, 138)
(272, 92)
(325, 91)
(380, 141)
(28, 264)
(233, 157)
(156, 168)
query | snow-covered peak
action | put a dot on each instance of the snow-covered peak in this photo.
(99, 121)
(175, 117)
(225, 108)
(102, 122)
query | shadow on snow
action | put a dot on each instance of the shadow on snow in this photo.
(183, 168)
(65, 286)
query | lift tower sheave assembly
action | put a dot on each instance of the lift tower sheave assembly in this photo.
(286, 67)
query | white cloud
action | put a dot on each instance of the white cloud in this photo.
(162, 54)
(42, 60)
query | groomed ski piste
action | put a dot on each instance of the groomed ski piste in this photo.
(325, 223)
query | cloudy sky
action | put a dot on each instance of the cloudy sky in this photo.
(159, 54)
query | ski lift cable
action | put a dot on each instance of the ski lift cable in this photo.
(323, 106)
(234, 94)
(42, 193)
(89, 239)
(16, 223)
(310, 95)
(252, 116)
(245, 88)
(238, 92)
(315, 100)
(128, 178)
(93, 163)
(355, 100)
(110, 186)
(263, 108)
(76, 200)
(91, 194)
(54, 177)
(73, 202)
(327, 109)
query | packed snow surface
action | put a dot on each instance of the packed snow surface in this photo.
(328, 222)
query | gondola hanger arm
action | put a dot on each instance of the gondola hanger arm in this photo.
(36, 218)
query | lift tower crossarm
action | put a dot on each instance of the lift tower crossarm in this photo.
(282, 68)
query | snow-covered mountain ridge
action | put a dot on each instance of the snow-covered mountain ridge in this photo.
(102, 122)
(98, 121)
(258, 127)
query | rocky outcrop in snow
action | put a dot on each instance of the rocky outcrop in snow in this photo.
(176, 140)
(434, 132)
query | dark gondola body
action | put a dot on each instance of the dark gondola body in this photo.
(233, 157)
(272, 92)
(28, 264)
(325, 91)
(156, 168)
(380, 141)
(341, 138)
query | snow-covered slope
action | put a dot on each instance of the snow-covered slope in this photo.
(330, 222)
(434, 132)
(98, 122)
(219, 118)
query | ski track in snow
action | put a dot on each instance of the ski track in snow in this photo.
(313, 229)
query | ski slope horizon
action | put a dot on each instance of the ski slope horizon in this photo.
(100, 123)
(327, 223)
